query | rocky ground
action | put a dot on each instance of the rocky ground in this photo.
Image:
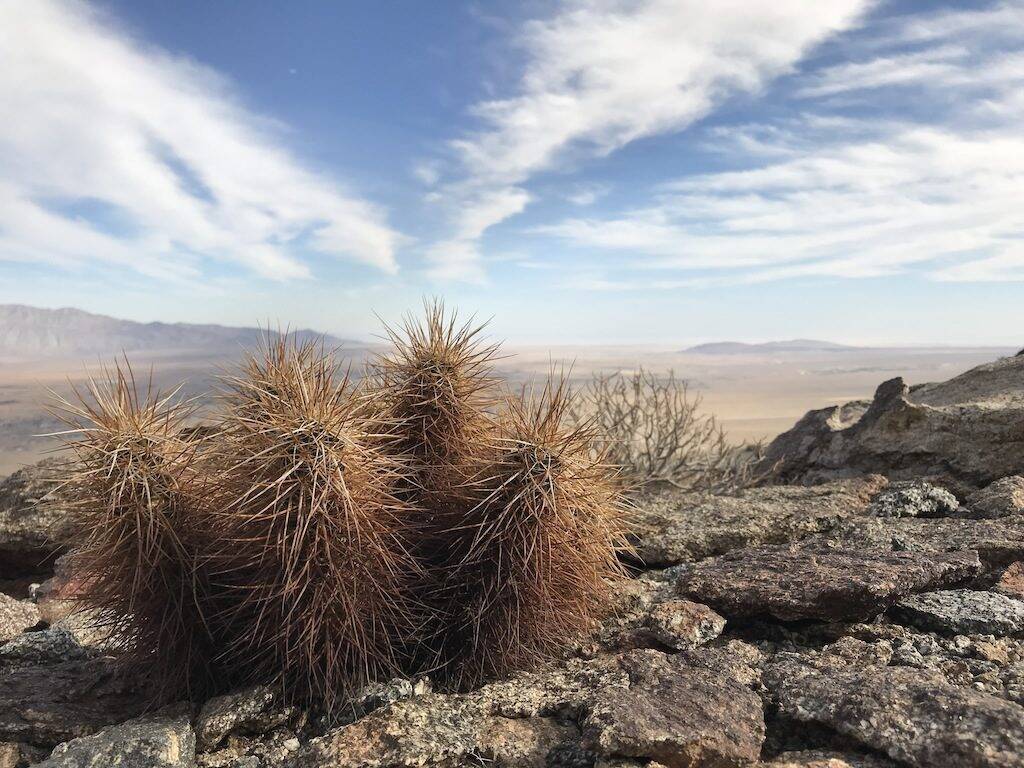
(868, 613)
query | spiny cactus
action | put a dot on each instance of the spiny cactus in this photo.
(131, 486)
(435, 389)
(323, 534)
(534, 556)
(308, 555)
(436, 386)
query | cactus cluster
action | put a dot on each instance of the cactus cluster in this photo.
(322, 532)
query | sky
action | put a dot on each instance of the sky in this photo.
(584, 171)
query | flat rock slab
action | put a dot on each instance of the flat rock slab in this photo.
(149, 742)
(48, 705)
(962, 612)
(674, 527)
(912, 715)
(790, 583)
(997, 542)
(696, 708)
(678, 714)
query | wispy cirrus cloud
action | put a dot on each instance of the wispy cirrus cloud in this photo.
(600, 74)
(115, 153)
(835, 193)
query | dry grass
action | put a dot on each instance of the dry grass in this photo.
(533, 558)
(653, 429)
(131, 486)
(309, 540)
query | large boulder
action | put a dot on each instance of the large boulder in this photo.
(32, 520)
(969, 429)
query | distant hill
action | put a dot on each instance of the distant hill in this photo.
(792, 345)
(34, 332)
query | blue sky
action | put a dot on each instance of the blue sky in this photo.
(605, 171)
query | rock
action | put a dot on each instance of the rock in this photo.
(148, 742)
(48, 646)
(14, 754)
(254, 710)
(970, 428)
(827, 759)
(680, 624)
(434, 729)
(678, 714)
(790, 583)
(55, 597)
(532, 718)
(32, 521)
(912, 715)
(1002, 498)
(997, 542)
(376, 695)
(674, 527)
(268, 751)
(1011, 582)
(15, 617)
(962, 612)
(913, 498)
(48, 705)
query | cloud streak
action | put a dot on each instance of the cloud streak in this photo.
(601, 74)
(831, 193)
(175, 174)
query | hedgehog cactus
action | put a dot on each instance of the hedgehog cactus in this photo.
(535, 555)
(309, 541)
(326, 534)
(132, 487)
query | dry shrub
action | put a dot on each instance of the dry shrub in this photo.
(653, 428)
(131, 486)
(534, 556)
(309, 541)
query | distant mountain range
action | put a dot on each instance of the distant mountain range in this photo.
(34, 332)
(770, 347)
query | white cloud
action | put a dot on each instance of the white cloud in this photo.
(587, 194)
(837, 195)
(603, 73)
(93, 119)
